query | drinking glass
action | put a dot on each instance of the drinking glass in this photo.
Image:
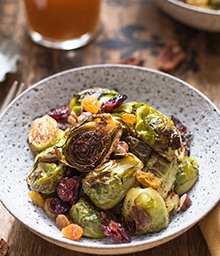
(63, 24)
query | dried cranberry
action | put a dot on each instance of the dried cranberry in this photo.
(57, 206)
(68, 188)
(59, 113)
(179, 125)
(185, 135)
(114, 102)
(114, 230)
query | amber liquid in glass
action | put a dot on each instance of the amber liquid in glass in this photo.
(63, 19)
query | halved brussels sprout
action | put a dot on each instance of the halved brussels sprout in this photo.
(45, 176)
(91, 143)
(144, 211)
(164, 170)
(158, 131)
(139, 148)
(85, 215)
(107, 185)
(187, 175)
(152, 127)
(44, 133)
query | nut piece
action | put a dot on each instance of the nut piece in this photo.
(62, 221)
(3, 247)
(130, 61)
(121, 149)
(185, 202)
(171, 56)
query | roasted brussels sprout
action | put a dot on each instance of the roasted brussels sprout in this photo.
(107, 185)
(139, 148)
(85, 215)
(45, 176)
(44, 133)
(144, 211)
(102, 94)
(187, 175)
(158, 131)
(153, 128)
(164, 170)
(91, 143)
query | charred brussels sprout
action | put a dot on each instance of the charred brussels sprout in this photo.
(139, 148)
(91, 143)
(85, 215)
(44, 133)
(164, 170)
(187, 175)
(107, 185)
(152, 127)
(45, 176)
(144, 211)
(158, 131)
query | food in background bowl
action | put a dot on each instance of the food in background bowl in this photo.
(206, 19)
(207, 4)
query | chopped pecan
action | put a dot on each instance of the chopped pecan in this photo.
(170, 57)
(121, 149)
(3, 247)
(185, 202)
(130, 61)
(62, 221)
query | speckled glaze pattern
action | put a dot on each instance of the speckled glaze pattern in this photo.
(196, 17)
(162, 91)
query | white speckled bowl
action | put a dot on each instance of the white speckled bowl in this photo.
(196, 17)
(162, 91)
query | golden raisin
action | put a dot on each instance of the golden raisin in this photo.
(148, 179)
(90, 104)
(36, 198)
(197, 2)
(128, 118)
(72, 232)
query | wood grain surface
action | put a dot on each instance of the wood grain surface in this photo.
(129, 28)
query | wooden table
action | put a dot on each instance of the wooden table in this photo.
(130, 28)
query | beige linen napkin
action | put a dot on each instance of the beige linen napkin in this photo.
(210, 228)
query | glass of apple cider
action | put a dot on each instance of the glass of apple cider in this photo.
(63, 24)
